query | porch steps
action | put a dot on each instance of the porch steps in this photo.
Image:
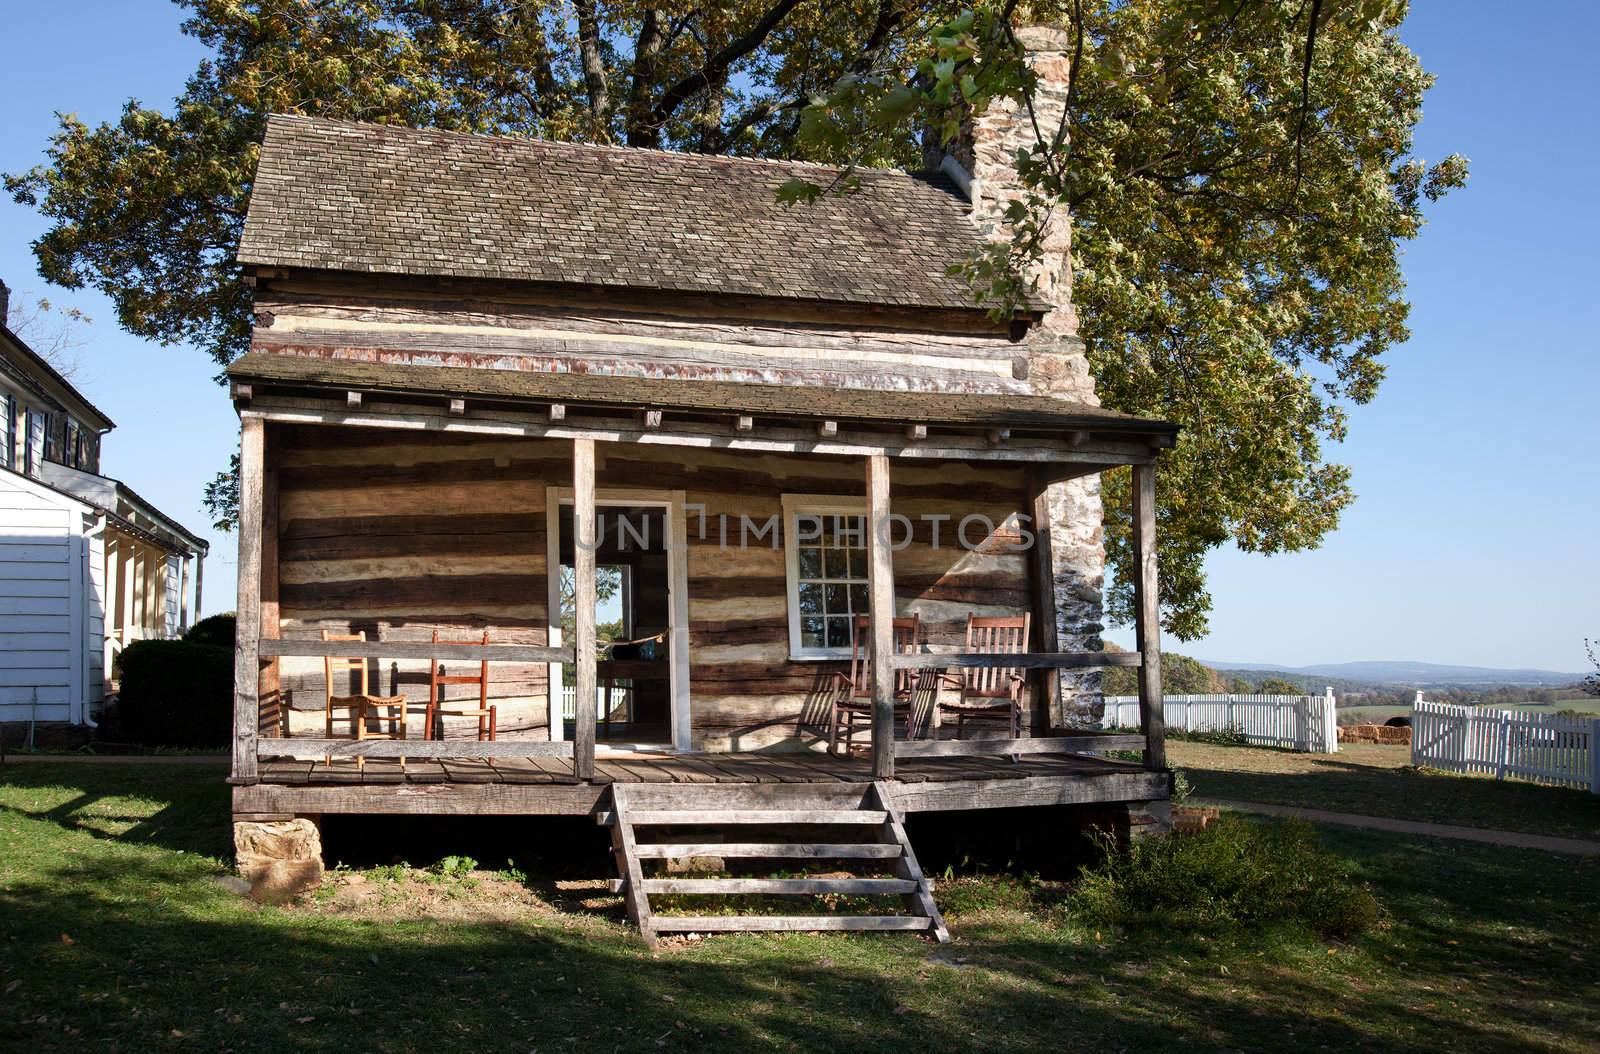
(660, 822)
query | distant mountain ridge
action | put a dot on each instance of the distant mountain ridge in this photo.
(1413, 674)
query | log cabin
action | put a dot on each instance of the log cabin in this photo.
(87, 566)
(492, 380)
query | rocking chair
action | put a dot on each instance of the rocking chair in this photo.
(990, 694)
(851, 705)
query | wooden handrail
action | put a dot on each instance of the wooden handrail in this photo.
(414, 749)
(1032, 660)
(412, 649)
(1073, 744)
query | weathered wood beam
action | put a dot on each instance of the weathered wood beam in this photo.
(1147, 615)
(558, 411)
(744, 423)
(414, 649)
(1042, 585)
(246, 655)
(916, 433)
(650, 418)
(241, 393)
(352, 400)
(828, 429)
(584, 542)
(880, 604)
(1032, 660)
(458, 407)
(780, 438)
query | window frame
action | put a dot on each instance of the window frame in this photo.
(795, 506)
(8, 458)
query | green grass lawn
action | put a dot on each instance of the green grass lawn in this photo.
(1376, 780)
(117, 933)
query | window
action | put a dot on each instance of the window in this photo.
(32, 442)
(825, 547)
(8, 431)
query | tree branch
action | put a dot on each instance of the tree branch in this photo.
(715, 68)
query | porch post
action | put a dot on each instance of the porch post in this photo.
(199, 566)
(183, 594)
(113, 594)
(271, 623)
(880, 589)
(1047, 708)
(1147, 616)
(583, 553)
(247, 637)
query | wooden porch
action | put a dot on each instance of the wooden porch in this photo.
(523, 785)
(565, 440)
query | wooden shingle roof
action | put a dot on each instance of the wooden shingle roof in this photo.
(370, 198)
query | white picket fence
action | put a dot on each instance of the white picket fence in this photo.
(1307, 723)
(620, 703)
(1507, 744)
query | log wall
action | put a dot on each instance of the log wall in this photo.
(497, 328)
(398, 533)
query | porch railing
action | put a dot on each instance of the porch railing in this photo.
(1048, 744)
(319, 747)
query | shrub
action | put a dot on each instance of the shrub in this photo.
(1234, 875)
(215, 630)
(176, 693)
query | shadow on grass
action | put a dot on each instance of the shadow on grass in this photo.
(162, 958)
(117, 943)
(182, 807)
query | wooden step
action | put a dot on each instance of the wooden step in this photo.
(733, 886)
(775, 850)
(617, 885)
(643, 817)
(789, 923)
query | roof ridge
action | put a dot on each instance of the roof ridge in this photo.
(527, 140)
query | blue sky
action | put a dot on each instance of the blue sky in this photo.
(1473, 540)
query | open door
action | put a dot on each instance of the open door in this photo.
(642, 670)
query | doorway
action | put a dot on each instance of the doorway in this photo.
(640, 615)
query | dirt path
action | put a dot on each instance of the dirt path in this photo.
(1574, 846)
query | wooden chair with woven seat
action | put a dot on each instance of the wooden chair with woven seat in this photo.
(990, 694)
(362, 706)
(439, 708)
(851, 705)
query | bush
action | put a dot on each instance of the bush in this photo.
(215, 630)
(176, 693)
(1234, 875)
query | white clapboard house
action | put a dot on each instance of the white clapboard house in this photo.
(86, 565)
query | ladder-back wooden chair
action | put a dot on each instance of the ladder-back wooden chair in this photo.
(990, 694)
(362, 706)
(851, 705)
(439, 708)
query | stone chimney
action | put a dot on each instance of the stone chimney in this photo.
(5, 304)
(982, 160)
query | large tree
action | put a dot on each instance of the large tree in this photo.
(1239, 174)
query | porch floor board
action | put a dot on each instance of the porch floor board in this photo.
(798, 767)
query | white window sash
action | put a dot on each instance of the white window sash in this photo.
(795, 506)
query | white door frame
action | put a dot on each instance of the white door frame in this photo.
(676, 521)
